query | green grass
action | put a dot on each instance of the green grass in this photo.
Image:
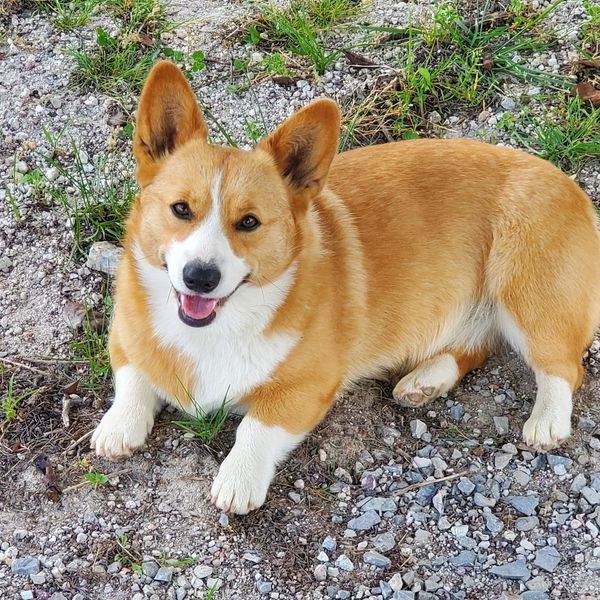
(202, 425)
(567, 135)
(210, 595)
(12, 400)
(115, 67)
(119, 65)
(301, 27)
(68, 14)
(96, 479)
(98, 207)
(591, 28)
(91, 348)
(458, 61)
(125, 556)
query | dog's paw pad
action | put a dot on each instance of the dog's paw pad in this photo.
(240, 486)
(119, 433)
(546, 431)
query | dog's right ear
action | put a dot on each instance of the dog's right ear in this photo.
(168, 116)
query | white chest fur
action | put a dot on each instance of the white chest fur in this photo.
(233, 354)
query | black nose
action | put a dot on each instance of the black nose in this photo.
(201, 277)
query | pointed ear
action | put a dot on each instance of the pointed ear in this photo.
(167, 117)
(304, 146)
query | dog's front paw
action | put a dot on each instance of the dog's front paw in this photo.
(241, 484)
(121, 431)
(546, 430)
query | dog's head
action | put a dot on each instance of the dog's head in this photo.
(216, 217)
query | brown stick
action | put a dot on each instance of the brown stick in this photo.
(415, 486)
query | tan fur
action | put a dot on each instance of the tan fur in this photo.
(392, 244)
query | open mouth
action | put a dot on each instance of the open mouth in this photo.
(198, 311)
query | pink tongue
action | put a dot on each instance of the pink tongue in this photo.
(197, 307)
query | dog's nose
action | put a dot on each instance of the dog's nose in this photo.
(201, 277)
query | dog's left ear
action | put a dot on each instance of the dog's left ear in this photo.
(304, 146)
(168, 116)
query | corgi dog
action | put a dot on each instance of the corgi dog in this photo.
(274, 277)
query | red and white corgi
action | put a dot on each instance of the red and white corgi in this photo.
(276, 276)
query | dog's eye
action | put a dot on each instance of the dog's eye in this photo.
(182, 210)
(247, 223)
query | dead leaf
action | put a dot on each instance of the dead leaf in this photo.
(71, 388)
(589, 63)
(43, 463)
(283, 80)
(145, 40)
(586, 91)
(73, 314)
(488, 62)
(357, 60)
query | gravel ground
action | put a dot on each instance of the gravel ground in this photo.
(380, 502)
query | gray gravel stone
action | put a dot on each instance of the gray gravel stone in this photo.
(480, 500)
(149, 568)
(384, 542)
(364, 522)
(380, 504)
(466, 558)
(501, 425)
(329, 544)
(493, 523)
(27, 565)
(526, 505)
(514, 570)
(203, 571)
(547, 558)
(591, 495)
(164, 574)
(104, 257)
(344, 563)
(466, 486)
(264, 587)
(527, 523)
(320, 572)
(417, 428)
(378, 560)
(425, 495)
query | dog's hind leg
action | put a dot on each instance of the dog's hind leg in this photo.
(437, 375)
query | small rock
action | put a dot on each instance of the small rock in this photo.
(457, 412)
(547, 558)
(320, 572)
(344, 563)
(466, 486)
(578, 483)
(329, 544)
(526, 505)
(380, 504)
(28, 565)
(203, 571)
(501, 460)
(466, 558)
(396, 582)
(493, 523)
(224, 520)
(417, 428)
(264, 587)
(425, 494)
(513, 570)
(554, 460)
(252, 557)
(384, 542)
(591, 495)
(527, 523)
(21, 167)
(164, 574)
(481, 500)
(501, 425)
(149, 568)
(104, 257)
(378, 560)
(365, 521)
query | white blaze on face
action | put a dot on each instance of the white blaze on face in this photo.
(209, 244)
